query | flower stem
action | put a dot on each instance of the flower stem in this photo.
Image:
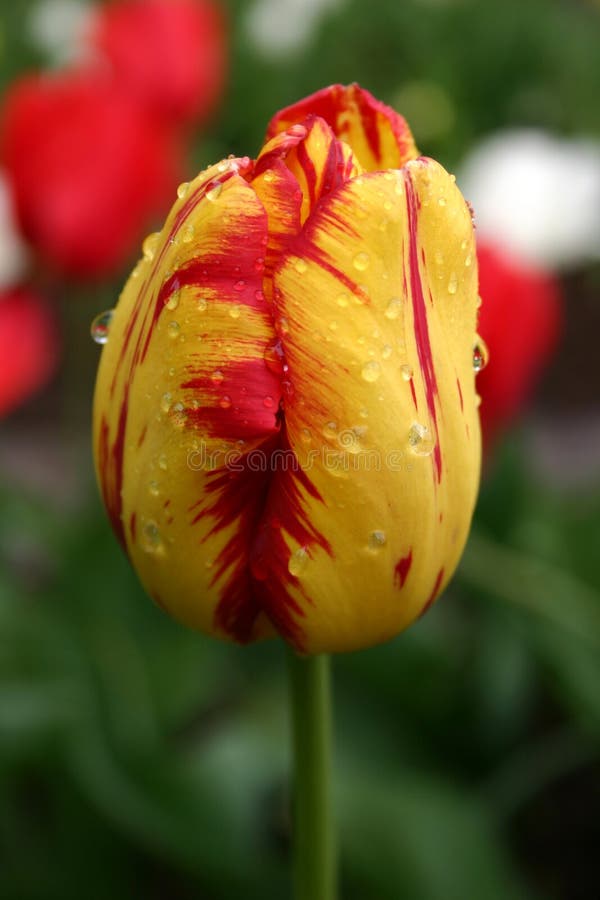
(314, 844)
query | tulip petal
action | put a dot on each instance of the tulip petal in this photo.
(183, 396)
(378, 136)
(379, 292)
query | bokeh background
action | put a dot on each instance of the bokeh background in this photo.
(140, 760)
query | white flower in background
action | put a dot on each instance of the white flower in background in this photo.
(13, 252)
(58, 29)
(277, 28)
(537, 194)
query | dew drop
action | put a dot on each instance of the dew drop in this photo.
(183, 189)
(387, 351)
(217, 377)
(268, 402)
(274, 358)
(377, 540)
(268, 177)
(225, 402)
(152, 540)
(239, 286)
(420, 441)
(173, 329)
(154, 488)
(342, 300)
(163, 462)
(480, 355)
(394, 308)
(439, 257)
(298, 561)
(173, 300)
(442, 201)
(468, 260)
(165, 402)
(300, 266)
(305, 436)
(407, 372)
(452, 283)
(213, 190)
(150, 245)
(361, 261)
(100, 327)
(202, 304)
(235, 311)
(187, 233)
(371, 371)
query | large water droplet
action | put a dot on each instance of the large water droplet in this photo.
(361, 261)
(152, 541)
(298, 561)
(394, 308)
(150, 245)
(377, 540)
(100, 327)
(371, 371)
(420, 440)
(213, 190)
(480, 355)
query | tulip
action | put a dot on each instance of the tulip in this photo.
(286, 427)
(169, 55)
(28, 346)
(520, 322)
(87, 169)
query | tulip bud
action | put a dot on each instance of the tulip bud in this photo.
(286, 429)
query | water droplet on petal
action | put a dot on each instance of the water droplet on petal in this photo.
(480, 355)
(371, 371)
(452, 283)
(151, 538)
(173, 299)
(300, 266)
(268, 402)
(225, 402)
(173, 329)
(183, 189)
(361, 261)
(274, 358)
(187, 233)
(342, 300)
(394, 308)
(217, 377)
(100, 327)
(202, 304)
(387, 351)
(407, 372)
(150, 245)
(154, 488)
(235, 311)
(165, 402)
(377, 540)
(420, 440)
(213, 190)
(298, 561)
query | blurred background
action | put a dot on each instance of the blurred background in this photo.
(140, 760)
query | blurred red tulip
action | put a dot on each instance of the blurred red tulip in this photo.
(520, 321)
(170, 55)
(87, 167)
(28, 346)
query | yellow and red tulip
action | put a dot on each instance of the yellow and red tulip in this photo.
(286, 427)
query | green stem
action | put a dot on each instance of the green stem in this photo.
(314, 844)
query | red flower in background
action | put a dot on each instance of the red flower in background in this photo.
(28, 346)
(88, 168)
(520, 320)
(169, 55)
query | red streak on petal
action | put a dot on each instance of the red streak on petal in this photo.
(420, 318)
(460, 394)
(132, 525)
(402, 569)
(413, 392)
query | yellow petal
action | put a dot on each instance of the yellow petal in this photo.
(379, 296)
(183, 395)
(378, 136)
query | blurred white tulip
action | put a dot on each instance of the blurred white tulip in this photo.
(13, 252)
(277, 28)
(536, 194)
